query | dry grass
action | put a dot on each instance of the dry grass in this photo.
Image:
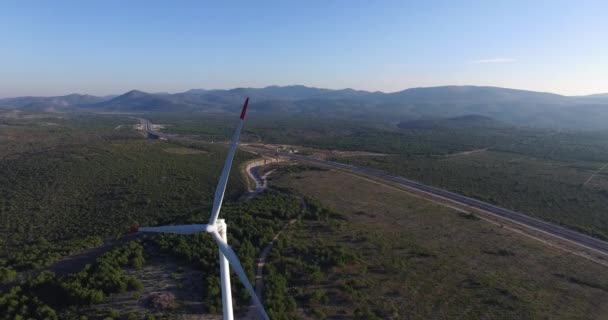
(422, 260)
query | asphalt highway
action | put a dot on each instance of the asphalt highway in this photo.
(555, 230)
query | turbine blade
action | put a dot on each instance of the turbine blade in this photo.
(177, 229)
(221, 186)
(236, 265)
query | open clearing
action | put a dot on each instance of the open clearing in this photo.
(428, 261)
(550, 189)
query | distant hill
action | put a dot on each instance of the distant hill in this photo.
(599, 95)
(473, 94)
(139, 101)
(43, 103)
(519, 107)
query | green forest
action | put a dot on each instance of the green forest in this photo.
(80, 183)
(72, 184)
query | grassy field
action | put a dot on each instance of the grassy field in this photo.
(419, 260)
(554, 190)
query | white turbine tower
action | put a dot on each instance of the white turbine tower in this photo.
(217, 228)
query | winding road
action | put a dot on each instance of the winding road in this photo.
(261, 185)
(259, 271)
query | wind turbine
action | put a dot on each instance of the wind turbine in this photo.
(217, 228)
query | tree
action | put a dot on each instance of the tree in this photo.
(7, 274)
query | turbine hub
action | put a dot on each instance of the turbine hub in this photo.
(211, 228)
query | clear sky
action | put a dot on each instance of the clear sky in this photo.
(104, 47)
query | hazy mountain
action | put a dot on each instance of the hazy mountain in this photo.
(507, 105)
(597, 98)
(599, 95)
(472, 94)
(139, 101)
(34, 103)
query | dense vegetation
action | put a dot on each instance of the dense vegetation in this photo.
(81, 179)
(116, 179)
(297, 263)
(109, 187)
(252, 225)
(46, 296)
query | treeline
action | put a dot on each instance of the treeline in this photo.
(47, 296)
(42, 252)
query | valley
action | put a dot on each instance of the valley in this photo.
(388, 243)
(303, 160)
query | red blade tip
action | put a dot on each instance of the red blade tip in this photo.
(133, 229)
(244, 109)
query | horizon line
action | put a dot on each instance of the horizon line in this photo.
(300, 85)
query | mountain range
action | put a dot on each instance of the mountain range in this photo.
(519, 107)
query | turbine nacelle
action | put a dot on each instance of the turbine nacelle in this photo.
(211, 228)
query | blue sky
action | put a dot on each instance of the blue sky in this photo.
(104, 47)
